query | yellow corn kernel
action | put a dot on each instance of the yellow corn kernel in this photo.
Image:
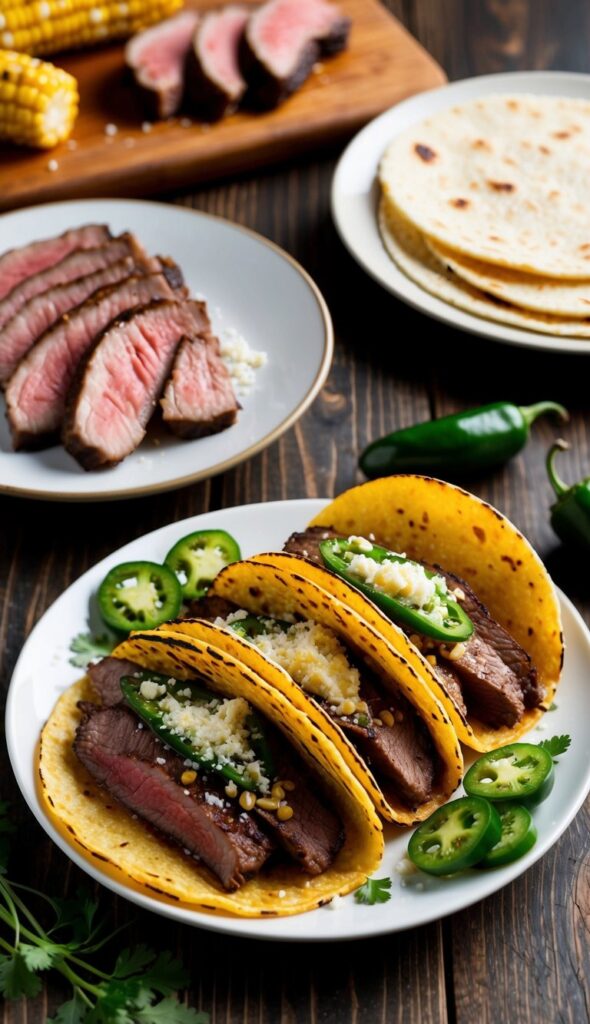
(266, 803)
(348, 707)
(431, 659)
(231, 790)
(284, 812)
(277, 792)
(247, 800)
(287, 785)
(456, 651)
(38, 102)
(187, 777)
(387, 717)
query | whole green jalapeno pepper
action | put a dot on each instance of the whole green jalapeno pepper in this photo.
(570, 515)
(466, 442)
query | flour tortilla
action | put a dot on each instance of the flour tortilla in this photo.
(556, 296)
(409, 251)
(502, 178)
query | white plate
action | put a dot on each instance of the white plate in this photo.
(355, 196)
(43, 671)
(250, 285)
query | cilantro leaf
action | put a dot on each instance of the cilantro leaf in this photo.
(132, 961)
(72, 1012)
(375, 890)
(552, 706)
(170, 1011)
(16, 979)
(166, 975)
(40, 958)
(77, 914)
(87, 648)
(556, 745)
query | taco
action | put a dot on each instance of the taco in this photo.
(497, 683)
(196, 781)
(344, 676)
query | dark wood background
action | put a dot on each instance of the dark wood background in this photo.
(523, 954)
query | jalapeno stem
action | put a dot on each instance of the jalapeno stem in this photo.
(556, 482)
(530, 413)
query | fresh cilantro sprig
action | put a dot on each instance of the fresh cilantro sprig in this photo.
(556, 745)
(87, 648)
(140, 989)
(374, 890)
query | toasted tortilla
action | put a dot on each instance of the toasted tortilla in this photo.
(269, 590)
(440, 523)
(125, 847)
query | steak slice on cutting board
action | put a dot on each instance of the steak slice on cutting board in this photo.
(214, 84)
(18, 264)
(157, 57)
(36, 393)
(122, 758)
(281, 43)
(121, 380)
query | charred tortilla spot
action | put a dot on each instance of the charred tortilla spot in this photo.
(459, 203)
(425, 152)
(479, 533)
(562, 135)
(502, 186)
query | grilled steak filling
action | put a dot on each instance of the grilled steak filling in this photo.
(214, 83)
(156, 58)
(18, 264)
(199, 397)
(495, 675)
(282, 42)
(106, 676)
(127, 761)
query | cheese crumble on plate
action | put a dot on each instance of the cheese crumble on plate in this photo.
(241, 360)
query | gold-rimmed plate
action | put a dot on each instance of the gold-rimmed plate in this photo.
(252, 287)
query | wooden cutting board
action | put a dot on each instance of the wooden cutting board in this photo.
(382, 65)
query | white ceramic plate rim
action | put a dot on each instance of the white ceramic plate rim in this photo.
(351, 921)
(103, 491)
(354, 198)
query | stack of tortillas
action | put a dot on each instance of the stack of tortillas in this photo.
(487, 206)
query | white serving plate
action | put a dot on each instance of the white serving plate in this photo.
(355, 196)
(250, 285)
(43, 671)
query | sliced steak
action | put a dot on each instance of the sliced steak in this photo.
(77, 264)
(157, 57)
(451, 683)
(106, 676)
(121, 379)
(213, 80)
(491, 690)
(18, 264)
(199, 397)
(307, 544)
(36, 393)
(282, 42)
(41, 313)
(210, 608)
(315, 834)
(122, 759)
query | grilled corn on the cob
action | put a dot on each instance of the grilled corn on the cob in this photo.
(41, 27)
(38, 102)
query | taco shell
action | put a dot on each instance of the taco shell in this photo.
(125, 848)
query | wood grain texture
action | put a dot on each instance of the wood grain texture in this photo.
(381, 65)
(522, 955)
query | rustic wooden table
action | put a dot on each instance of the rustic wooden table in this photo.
(523, 954)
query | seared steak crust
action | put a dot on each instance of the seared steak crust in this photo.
(199, 398)
(106, 675)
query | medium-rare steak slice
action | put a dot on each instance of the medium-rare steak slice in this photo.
(121, 381)
(281, 43)
(17, 264)
(213, 81)
(199, 397)
(36, 393)
(41, 313)
(157, 57)
(134, 768)
(77, 264)
(105, 676)
(307, 544)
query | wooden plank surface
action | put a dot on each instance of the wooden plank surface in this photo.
(522, 956)
(381, 65)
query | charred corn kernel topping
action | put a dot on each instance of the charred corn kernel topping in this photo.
(454, 652)
(386, 717)
(316, 659)
(277, 792)
(287, 785)
(247, 800)
(266, 803)
(348, 707)
(231, 790)
(284, 812)
(51, 25)
(431, 659)
(38, 102)
(187, 777)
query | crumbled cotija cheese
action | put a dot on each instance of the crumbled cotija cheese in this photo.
(150, 690)
(360, 543)
(401, 579)
(314, 657)
(241, 360)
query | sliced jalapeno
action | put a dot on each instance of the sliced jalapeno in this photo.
(519, 771)
(519, 835)
(151, 713)
(139, 595)
(441, 617)
(197, 559)
(456, 836)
